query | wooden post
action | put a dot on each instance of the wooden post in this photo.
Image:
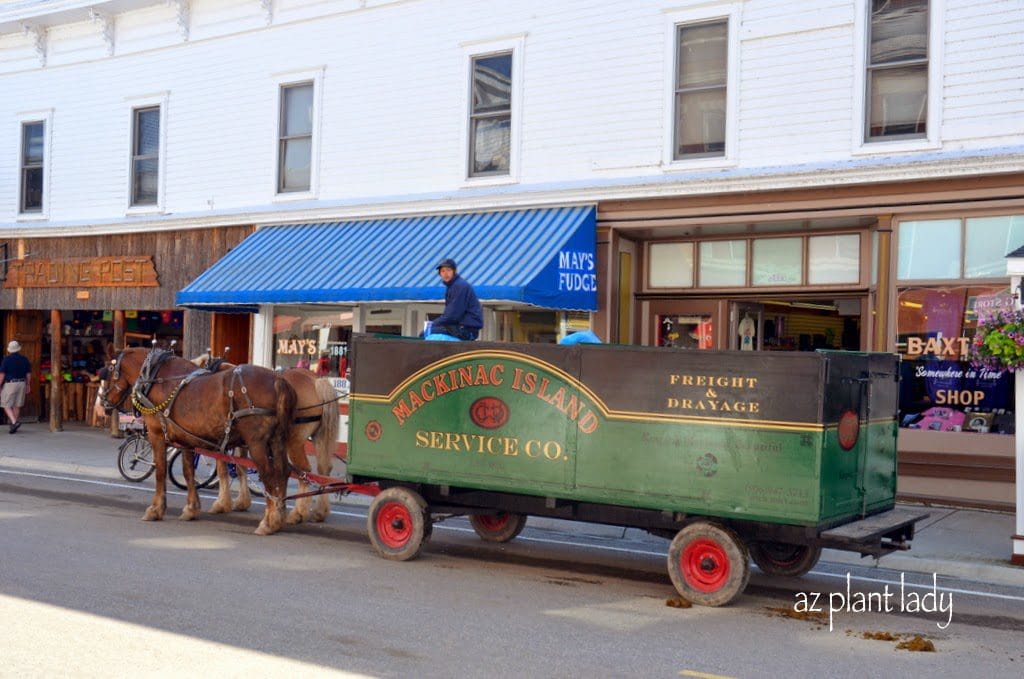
(56, 373)
(881, 337)
(115, 430)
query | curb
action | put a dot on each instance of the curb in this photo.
(974, 571)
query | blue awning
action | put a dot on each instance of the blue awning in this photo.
(543, 257)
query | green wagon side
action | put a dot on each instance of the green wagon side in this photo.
(771, 451)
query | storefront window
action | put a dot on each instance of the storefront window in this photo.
(540, 327)
(778, 261)
(929, 250)
(939, 389)
(316, 340)
(690, 331)
(671, 265)
(833, 259)
(989, 239)
(723, 263)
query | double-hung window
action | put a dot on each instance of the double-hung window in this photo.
(145, 156)
(490, 115)
(897, 70)
(32, 159)
(701, 80)
(295, 138)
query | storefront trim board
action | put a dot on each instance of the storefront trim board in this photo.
(1015, 269)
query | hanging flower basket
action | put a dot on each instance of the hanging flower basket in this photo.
(999, 341)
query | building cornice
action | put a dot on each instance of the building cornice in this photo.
(684, 184)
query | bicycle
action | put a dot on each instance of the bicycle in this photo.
(135, 457)
(206, 473)
(135, 462)
(205, 469)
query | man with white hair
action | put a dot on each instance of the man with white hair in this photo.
(15, 375)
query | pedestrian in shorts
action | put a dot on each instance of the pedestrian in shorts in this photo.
(15, 375)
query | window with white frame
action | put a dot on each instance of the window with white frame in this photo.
(490, 115)
(145, 155)
(33, 138)
(295, 138)
(897, 70)
(701, 75)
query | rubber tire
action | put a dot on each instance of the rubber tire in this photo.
(500, 527)
(252, 479)
(721, 548)
(780, 558)
(398, 523)
(135, 458)
(205, 472)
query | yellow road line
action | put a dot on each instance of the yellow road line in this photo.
(702, 675)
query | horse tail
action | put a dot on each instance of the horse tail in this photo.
(284, 409)
(325, 439)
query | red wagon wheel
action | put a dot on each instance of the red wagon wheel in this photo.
(500, 527)
(708, 564)
(398, 523)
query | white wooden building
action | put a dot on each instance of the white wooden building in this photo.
(846, 173)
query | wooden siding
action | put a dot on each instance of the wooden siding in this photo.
(178, 256)
(392, 123)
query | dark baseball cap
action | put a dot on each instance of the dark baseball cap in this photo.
(446, 263)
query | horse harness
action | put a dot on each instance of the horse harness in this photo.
(148, 377)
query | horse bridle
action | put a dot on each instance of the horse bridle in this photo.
(113, 375)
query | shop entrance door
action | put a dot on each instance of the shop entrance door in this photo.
(686, 325)
(27, 328)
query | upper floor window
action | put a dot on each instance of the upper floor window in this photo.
(295, 138)
(701, 76)
(145, 155)
(490, 115)
(897, 70)
(32, 147)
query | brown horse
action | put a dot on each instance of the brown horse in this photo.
(246, 406)
(316, 418)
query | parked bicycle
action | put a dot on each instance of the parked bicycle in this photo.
(135, 457)
(135, 454)
(206, 472)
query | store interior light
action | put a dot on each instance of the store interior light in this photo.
(810, 305)
(911, 305)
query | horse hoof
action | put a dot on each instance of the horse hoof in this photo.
(241, 506)
(152, 515)
(218, 507)
(189, 515)
(294, 517)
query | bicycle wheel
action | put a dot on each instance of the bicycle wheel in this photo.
(205, 469)
(135, 458)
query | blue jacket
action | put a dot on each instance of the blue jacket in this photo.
(461, 307)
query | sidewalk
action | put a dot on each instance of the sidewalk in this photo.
(962, 543)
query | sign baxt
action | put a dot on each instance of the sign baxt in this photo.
(82, 272)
